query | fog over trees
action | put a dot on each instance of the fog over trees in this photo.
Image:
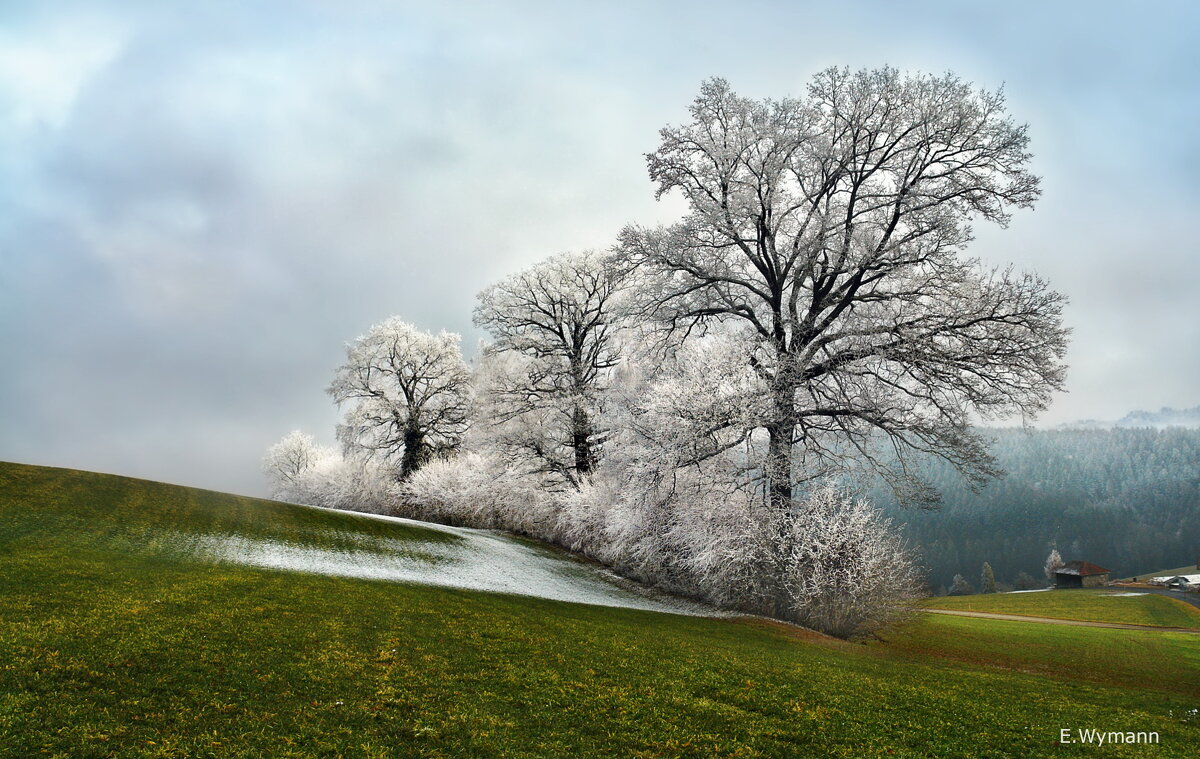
(1126, 499)
(698, 406)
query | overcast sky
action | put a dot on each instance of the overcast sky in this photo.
(200, 203)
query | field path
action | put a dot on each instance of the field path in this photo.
(1053, 621)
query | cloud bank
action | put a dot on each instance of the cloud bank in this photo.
(200, 205)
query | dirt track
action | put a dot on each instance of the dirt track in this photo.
(1052, 621)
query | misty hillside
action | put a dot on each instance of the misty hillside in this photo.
(1161, 419)
(1125, 498)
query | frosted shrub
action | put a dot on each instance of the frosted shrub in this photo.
(847, 572)
(725, 534)
(583, 517)
(525, 506)
(630, 533)
(353, 483)
(475, 490)
(453, 490)
(300, 471)
(348, 483)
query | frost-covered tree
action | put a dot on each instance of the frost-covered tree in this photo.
(559, 316)
(286, 462)
(408, 393)
(702, 402)
(961, 586)
(987, 579)
(1053, 563)
(831, 228)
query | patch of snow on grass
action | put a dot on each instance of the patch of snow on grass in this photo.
(1035, 590)
(1122, 595)
(480, 560)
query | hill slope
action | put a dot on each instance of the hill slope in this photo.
(117, 641)
(151, 519)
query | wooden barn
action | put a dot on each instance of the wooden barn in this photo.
(1080, 574)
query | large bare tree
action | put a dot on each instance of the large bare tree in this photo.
(832, 227)
(560, 317)
(409, 390)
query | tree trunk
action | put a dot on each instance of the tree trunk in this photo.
(779, 489)
(414, 451)
(779, 467)
(780, 431)
(581, 433)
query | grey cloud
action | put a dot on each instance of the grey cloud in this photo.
(238, 191)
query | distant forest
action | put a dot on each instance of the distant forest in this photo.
(1127, 499)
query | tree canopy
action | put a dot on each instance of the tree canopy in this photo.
(830, 230)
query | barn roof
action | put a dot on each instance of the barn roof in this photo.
(1081, 568)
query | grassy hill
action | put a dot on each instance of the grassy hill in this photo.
(122, 635)
(1089, 605)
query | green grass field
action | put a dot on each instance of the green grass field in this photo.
(1164, 661)
(116, 642)
(1089, 605)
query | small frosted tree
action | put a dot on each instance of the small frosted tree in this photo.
(1053, 563)
(301, 471)
(286, 461)
(987, 579)
(408, 391)
(848, 572)
(961, 586)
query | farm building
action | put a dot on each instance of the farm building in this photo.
(1080, 574)
(1176, 581)
(1183, 581)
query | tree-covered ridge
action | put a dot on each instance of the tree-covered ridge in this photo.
(1127, 499)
